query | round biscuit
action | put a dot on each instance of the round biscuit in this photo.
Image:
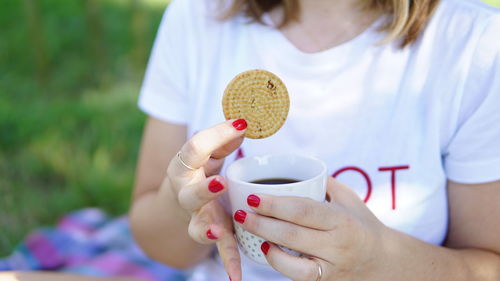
(259, 97)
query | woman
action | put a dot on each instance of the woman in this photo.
(400, 99)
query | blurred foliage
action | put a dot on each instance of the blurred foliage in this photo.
(493, 2)
(70, 73)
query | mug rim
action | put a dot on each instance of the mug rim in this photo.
(320, 174)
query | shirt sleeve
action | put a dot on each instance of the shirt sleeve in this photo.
(164, 92)
(473, 155)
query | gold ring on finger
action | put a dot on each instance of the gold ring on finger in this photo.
(320, 269)
(184, 163)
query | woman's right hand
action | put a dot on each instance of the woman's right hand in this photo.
(195, 182)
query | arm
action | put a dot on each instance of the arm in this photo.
(475, 223)
(156, 220)
(473, 241)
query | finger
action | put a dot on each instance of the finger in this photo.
(228, 251)
(227, 149)
(200, 230)
(298, 210)
(219, 231)
(210, 224)
(197, 150)
(215, 232)
(295, 237)
(213, 166)
(295, 268)
(341, 194)
(194, 196)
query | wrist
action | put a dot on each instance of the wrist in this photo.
(404, 257)
(383, 260)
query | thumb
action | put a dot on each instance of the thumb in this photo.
(228, 148)
(341, 194)
(214, 164)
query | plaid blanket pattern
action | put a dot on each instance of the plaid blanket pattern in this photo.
(91, 243)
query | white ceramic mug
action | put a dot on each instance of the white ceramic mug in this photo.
(310, 173)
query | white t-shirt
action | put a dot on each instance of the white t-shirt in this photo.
(392, 124)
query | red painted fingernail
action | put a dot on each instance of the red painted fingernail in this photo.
(253, 200)
(215, 186)
(265, 247)
(230, 279)
(210, 235)
(240, 124)
(240, 216)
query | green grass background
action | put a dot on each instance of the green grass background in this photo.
(71, 140)
(69, 137)
(493, 2)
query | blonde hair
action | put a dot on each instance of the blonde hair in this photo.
(408, 17)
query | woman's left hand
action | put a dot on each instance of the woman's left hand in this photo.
(342, 236)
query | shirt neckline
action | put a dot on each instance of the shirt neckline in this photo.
(277, 46)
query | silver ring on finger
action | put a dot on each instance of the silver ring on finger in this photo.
(184, 163)
(320, 269)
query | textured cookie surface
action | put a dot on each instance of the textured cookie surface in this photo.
(259, 97)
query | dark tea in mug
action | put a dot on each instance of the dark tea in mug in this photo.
(275, 181)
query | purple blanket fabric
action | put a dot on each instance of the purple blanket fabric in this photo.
(88, 242)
